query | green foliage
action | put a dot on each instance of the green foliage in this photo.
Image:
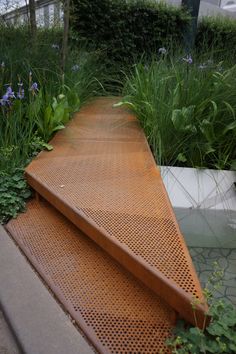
(20, 56)
(124, 30)
(44, 61)
(19, 138)
(16, 132)
(55, 115)
(13, 194)
(14, 191)
(84, 76)
(190, 105)
(48, 108)
(36, 145)
(27, 124)
(217, 33)
(219, 336)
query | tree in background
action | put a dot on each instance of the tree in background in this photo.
(66, 20)
(32, 18)
(193, 7)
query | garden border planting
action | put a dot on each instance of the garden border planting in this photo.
(101, 175)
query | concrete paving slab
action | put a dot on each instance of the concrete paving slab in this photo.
(204, 259)
(37, 320)
(8, 343)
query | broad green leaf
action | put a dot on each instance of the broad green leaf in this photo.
(215, 108)
(182, 119)
(124, 103)
(26, 194)
(177, 94)
(54, 103)
(58, 114)
(181, 157)
(47, 146)
(58, 127)
(230, 109)
(47, 116)
(207, 130)
(229, 127)
(177, 119)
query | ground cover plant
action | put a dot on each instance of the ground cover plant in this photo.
(219, 336)
(35, 102)
(187, 107)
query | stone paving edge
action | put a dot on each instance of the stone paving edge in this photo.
(37, 320)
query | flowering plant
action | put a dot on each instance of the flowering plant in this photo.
(8, 97)
(190, 104)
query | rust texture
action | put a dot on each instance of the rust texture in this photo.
(116, 312)
(102, 176)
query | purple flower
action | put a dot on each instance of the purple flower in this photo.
(34, 87)
(188, 59)
(4, 101)
(5, 97)
(10, 93)
(162, 50)
(75, 67)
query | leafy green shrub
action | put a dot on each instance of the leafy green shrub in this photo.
(219, 337)
(14, 192)
(54, 116)
(125, 30)
(187, 111)
(217, 33)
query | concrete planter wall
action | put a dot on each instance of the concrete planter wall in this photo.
(204, 202)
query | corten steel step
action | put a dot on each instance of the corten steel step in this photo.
(102, 176)
(115, 311)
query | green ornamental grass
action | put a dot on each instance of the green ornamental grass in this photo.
(187, 109)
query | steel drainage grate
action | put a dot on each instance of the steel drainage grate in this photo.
(117, 312)
(102, 176)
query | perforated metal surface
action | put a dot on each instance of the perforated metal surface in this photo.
(102, 176)
(117, 312)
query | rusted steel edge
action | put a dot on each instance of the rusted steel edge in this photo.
(89, 334)
(186, 252)
(185, 248)
(168, 290)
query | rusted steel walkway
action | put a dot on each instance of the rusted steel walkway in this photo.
(101, 175)
(116, 312)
